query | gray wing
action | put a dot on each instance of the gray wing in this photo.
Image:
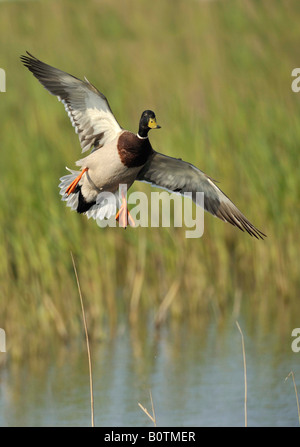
(179, 176)
(88, 109)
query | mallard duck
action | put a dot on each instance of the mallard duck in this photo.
(119, 156)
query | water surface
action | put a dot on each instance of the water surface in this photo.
(196, 379)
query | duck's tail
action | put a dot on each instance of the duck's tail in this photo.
(103, 207)
(65, 181)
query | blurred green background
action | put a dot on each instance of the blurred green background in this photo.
(218, 76)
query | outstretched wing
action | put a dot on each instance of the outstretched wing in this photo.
(179, 176)
(87, 108)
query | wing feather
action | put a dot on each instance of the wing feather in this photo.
(179, 176)
(87, 108)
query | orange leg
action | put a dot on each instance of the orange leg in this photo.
(123, 215)
(73, 185)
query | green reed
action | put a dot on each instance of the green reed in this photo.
(218, 76)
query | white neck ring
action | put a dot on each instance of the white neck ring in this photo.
(141, 138)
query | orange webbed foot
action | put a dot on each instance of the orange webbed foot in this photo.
(123, 216)
(72, 186)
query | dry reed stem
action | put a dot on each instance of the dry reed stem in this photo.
(245, 372)
(166, 303)
(87, 341)
(139, 277)
(153, 418)
(295, 387)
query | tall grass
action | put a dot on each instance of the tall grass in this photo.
(218, 76)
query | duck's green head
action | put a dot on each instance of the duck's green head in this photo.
(147, 122)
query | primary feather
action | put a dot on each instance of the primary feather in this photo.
(87, 108)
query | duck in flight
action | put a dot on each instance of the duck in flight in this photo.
(120, 157)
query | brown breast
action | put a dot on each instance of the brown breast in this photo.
(133, 151)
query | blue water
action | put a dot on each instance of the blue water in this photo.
(196, 379)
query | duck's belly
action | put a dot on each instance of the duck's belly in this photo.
(105, 173)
